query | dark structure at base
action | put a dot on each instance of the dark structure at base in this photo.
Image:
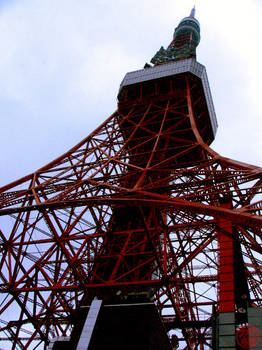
(126, 326)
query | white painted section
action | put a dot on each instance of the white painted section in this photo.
(89, 325)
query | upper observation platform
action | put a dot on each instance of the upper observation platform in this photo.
(166, 78)
(172, 69)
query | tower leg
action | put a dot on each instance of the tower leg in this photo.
(226, 306)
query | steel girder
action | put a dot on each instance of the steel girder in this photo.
(141, 204)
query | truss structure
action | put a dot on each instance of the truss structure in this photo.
(142, 205)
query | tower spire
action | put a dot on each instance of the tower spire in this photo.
(193, 12)
(185, 40)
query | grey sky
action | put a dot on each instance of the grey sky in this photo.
(62, 61)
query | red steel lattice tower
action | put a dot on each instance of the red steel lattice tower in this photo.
(141, 215)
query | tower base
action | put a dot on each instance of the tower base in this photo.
(117, 326)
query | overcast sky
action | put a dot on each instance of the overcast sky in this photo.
(62, 61)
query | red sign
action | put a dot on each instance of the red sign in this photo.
(247, 337)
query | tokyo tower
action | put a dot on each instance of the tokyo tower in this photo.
(141, 236)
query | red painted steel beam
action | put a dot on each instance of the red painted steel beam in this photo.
(236, 216)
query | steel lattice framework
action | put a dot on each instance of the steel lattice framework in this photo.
(141, 204)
